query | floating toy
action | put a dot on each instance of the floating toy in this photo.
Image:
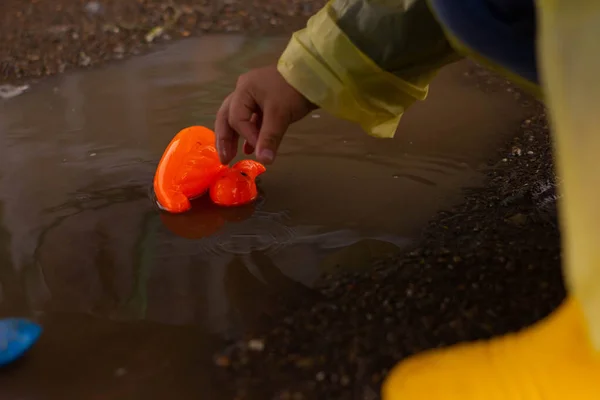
(190, 167)
(17, 336)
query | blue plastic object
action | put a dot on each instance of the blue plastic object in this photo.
(17, 335)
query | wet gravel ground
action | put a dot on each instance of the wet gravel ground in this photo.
(43, 37)
(488, 266)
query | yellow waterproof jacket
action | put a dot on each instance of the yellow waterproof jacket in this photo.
(367, 61)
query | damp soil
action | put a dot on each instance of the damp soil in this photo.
(488, 264)
(41, 37)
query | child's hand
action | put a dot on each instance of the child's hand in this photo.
(260, 109)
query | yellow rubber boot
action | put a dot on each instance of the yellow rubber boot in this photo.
(552, 360)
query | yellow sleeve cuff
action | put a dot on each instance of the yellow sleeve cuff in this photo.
(322, 63)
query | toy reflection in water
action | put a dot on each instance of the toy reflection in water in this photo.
(247, 229)
(260, 260)
(204, 218)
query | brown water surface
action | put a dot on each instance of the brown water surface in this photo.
(135, 303)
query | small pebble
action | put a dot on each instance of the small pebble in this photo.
(256, 344)
(84, 59)
(305, 362)
(222, 361)
(93, 7)
(345, 380)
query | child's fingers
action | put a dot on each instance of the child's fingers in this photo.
(274, 124)
(226, 136)
(257, 121)
(241, 110)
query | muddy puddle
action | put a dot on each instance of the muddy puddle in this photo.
(135, 302)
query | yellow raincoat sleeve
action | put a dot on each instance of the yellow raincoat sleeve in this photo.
(367, 61)
(570, 64)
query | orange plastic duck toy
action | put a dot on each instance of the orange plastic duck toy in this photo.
(190, 167)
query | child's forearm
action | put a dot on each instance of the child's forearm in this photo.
(367, 60)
